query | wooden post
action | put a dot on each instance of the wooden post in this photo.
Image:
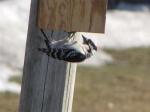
(47, 84)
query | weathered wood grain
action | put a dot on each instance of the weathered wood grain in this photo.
(72, 15)
(47, 84)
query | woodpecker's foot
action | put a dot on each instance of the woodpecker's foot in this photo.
(71, 34)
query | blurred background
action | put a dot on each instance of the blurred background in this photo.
(116, 79)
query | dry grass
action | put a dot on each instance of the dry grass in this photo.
(8, 102)
(119, 87)
(17, 79)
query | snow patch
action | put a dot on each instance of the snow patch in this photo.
(100, 58)
(125, 28)
(5, 85)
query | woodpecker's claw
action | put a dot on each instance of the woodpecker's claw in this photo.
(71, 34)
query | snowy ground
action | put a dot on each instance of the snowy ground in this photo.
(127, 26)
(13, 28)
(5, 85)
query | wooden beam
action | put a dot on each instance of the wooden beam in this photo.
(73, 15)
(47, 84)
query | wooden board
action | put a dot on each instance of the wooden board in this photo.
(72, 15)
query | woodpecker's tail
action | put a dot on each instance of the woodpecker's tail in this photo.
(47, 42)
(44, 50)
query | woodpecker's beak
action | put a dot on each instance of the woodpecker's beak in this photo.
(85, 40)
(89, 41)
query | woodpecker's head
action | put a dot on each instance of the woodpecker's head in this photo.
(90, 43)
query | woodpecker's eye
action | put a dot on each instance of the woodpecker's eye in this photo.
(91, 43)
(89, 50)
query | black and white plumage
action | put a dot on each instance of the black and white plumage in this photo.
(69, 51)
